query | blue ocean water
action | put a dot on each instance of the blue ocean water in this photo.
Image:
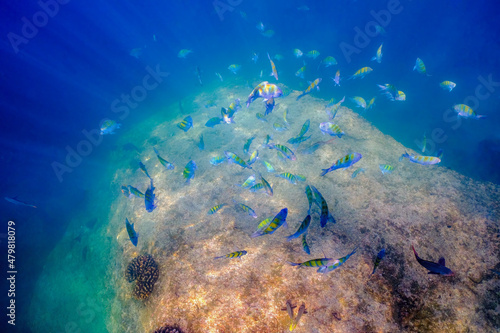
(68, 65)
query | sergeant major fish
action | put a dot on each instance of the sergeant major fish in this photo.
(273, 68)
(149, 198)
(314, 84)
(344, 162)
(276, 222)
(265, 90)
(302, 228)
(186, 124)
(337, 263)
(232, 255)
(164, 162)
(132, 234)
(189, 171)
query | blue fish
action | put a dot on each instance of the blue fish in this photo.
(276, 222)
(302, 228)
(201, 144)
(305, 246)
(149, 198)
(19, 202)
(188, 172)
(213, 121)
(379, 258)
(143, 168)
(186, 124)
(134, 236)
(320, 201)
(434, 268)
(336, 264)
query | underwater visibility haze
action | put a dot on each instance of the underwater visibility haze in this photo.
(250, 166)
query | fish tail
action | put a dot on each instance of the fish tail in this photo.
(325, 171)
(300, 96)
(219, 257)
(293, 263)
(289, 238)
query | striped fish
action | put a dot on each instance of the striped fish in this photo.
(389, 90)
(232, 255)
(300, 178)
(256, 187)
(246, 209)
(164, 162)
(287, 152)
(420, 67)
(186, 124)
(149, 198)
(312, 54)
(143, 169)
(310, 198)
(273, 67)
(339, 262)
(279, 127)
(386, 168)
(249, 182)
(466, 111)
(361, 73)
(305, 128)
(188, 172)
(253, 157)
(423, 160)
(323, 262)
(267, 187)
(321, 202)
(216, 160)
(215, 209)
(378, 56)
(379, 258)
(277, 221)
(448, 85)
(135, 192)
(290, 177)
(344, 162)
(298, 140)
(360, 102)
(305, 246)
(132, 234)
(331, 129)
(357, 172)
(265, 90)
(314, 84)
(246, 146)
(264, 223)
(232, 157)
(302, 228)
(268, 165)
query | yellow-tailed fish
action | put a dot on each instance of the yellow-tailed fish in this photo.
(448, 85)
(361, 73)
(232, 255)
(295, 322)
(370, 104)
(401, 96)
(344, 162)
(274, 72)
(378, 56)
(215, 209)
(277, 221)
(314, 84)
(466, 111)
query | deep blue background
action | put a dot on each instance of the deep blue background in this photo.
(65, 78)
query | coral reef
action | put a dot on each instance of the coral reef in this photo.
(144, 271)
(169, 329)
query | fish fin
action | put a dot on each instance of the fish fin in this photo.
(442, 261)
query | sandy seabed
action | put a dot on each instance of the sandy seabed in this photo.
(439, 211)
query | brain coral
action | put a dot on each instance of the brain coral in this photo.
(144, 271)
